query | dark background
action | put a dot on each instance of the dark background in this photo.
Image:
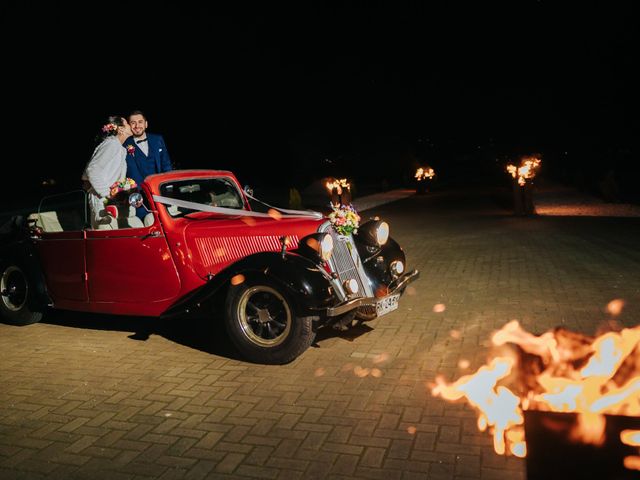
(285, 94)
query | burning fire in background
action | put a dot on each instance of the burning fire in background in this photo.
(559, 371)
(338, 184)
(426, 173)
(526, 171)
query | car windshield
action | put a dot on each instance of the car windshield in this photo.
(214, 192)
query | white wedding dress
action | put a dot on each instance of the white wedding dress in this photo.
(107, 165)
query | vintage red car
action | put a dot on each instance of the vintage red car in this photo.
(282, 274)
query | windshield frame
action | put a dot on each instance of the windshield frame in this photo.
(200, 179)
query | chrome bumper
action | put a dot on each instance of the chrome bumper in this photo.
(349, 305)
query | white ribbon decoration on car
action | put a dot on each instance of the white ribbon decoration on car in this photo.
(236, 212)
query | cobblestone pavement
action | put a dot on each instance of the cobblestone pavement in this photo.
(91, 397)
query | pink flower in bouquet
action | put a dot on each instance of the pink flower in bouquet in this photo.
(122, 186)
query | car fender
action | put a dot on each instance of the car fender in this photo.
(308, 285)
(377, 264)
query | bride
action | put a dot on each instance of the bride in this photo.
(107, 166)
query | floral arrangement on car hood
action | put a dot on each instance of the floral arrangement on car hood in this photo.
(344, 219)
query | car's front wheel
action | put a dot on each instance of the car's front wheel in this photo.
(15, 294)
(262, 323)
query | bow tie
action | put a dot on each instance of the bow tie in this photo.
(143, 140)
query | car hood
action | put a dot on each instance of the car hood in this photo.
(217, 243)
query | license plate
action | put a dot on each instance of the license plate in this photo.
(387, 304)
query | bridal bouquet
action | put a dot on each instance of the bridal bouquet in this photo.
(344, 219)
(122, 186)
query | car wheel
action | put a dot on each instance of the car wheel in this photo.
(262, 323)
(15, 293)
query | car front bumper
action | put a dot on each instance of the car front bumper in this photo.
(397, 286)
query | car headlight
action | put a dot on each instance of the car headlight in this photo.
(374, 233)
(397, 267)
(326, 247)
(351, 286)
(382, 233)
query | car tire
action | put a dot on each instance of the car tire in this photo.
(262, 323)
(15, 296)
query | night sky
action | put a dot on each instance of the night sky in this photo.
(289, 93)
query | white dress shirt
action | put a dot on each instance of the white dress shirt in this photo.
(144, 146)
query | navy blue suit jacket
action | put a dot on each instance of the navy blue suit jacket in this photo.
(139, 165)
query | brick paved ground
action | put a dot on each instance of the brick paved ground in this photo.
(88, 397)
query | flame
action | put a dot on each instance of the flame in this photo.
(558, 371)
(497, 405)
(630, 437)
(632, 462)
(338, 184)
(426, 173)
(527, 169)
(589, 429)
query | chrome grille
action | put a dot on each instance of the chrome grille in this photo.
(345, 261)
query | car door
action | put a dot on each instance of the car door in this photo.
(130, 264)
(60, 244)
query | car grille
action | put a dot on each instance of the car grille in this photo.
(345, 261)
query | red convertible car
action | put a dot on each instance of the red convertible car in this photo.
(282, 274)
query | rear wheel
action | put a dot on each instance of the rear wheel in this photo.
(262, 323)
(15, 294)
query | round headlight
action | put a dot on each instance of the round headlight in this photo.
(397, 267)
(351, 286)
(326, 247)
(382, 233)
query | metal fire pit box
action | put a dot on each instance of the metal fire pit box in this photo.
(552, 455)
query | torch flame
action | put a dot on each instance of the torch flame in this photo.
(426, 173)
(526, 170)
(338, 184)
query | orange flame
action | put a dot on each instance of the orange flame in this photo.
(630, 437)
(426, 173)
(338, 184)
(527, 169)
(558, 371)
(497, 405)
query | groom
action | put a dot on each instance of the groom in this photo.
(146, 153)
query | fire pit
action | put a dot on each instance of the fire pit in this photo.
(523, 176)
(340, 191)
(423, 176)
(551, 452)
(568, 402)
